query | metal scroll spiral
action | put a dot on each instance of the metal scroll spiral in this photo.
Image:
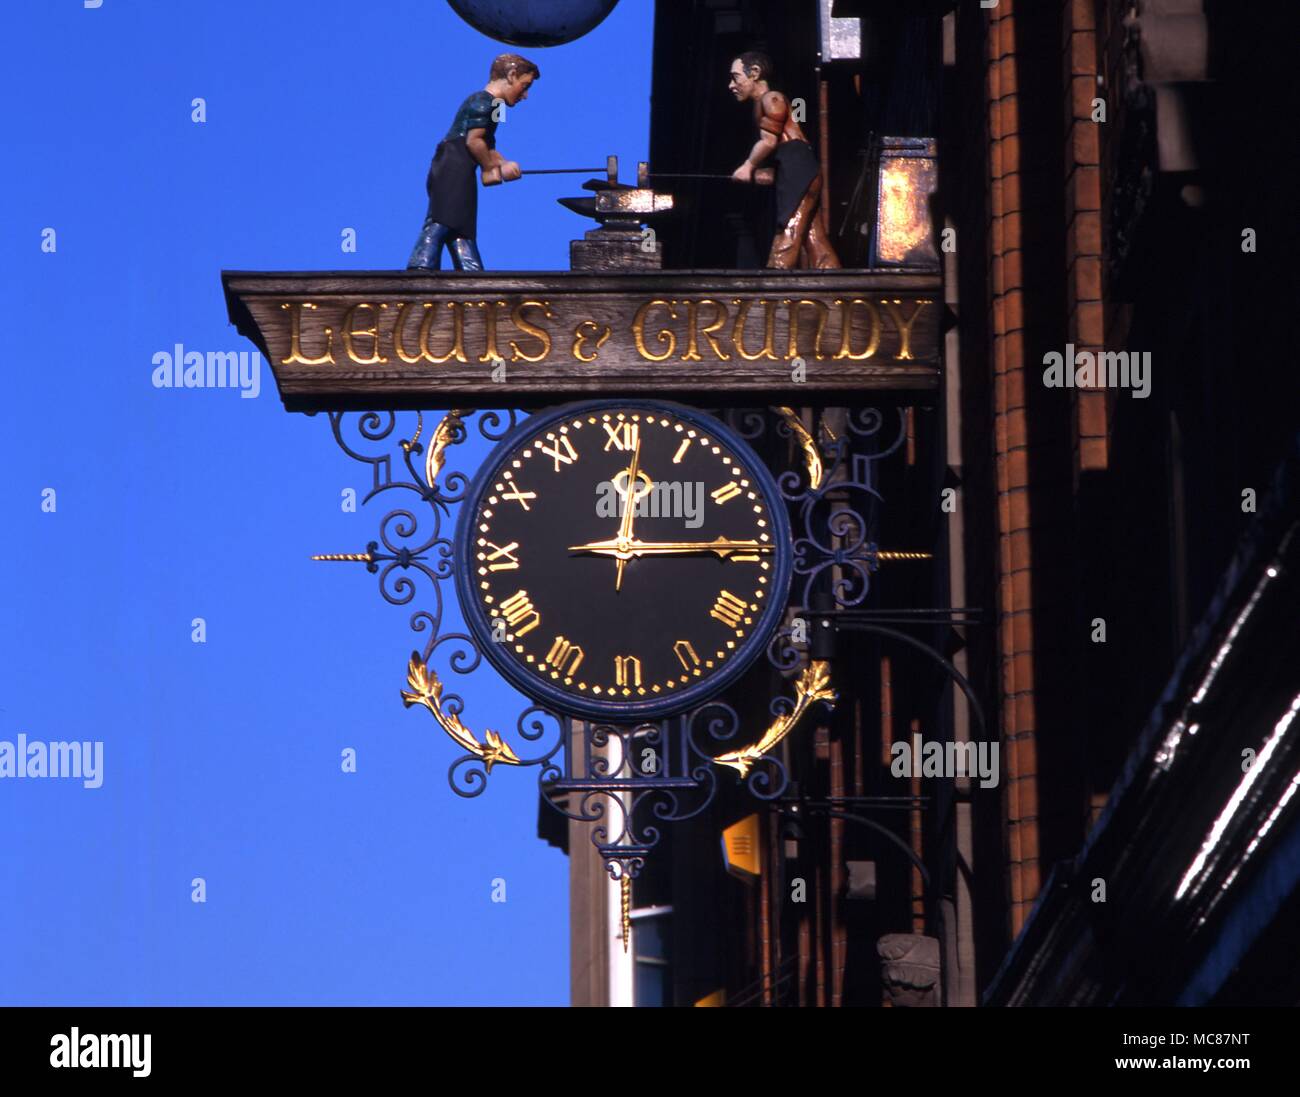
(836, 504)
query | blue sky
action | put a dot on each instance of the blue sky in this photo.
(222, 759)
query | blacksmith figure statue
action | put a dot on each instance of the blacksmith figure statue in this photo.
(452, 219)
(799, 240)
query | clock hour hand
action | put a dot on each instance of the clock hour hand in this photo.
(625, 549)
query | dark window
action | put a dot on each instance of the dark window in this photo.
(652, 957)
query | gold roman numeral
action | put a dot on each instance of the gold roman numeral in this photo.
(622, 435)
(510, 562)
(519, 495)
(729, 609)
(727, 491)
(562, 452)
(627, 670)
(518, 608)
(683, 650)
(561, 653)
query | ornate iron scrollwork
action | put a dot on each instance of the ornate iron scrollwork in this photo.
(426, 690)
(813, 686)
(627, 781)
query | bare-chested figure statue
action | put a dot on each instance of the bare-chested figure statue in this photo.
(799, 241)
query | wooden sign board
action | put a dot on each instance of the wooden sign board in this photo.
(406, 340)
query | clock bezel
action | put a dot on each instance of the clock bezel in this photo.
(624, 710)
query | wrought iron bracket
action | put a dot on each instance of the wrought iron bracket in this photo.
(625, 780)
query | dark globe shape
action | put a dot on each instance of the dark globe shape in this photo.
(533, 22)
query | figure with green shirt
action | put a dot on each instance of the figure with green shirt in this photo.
(452, 220)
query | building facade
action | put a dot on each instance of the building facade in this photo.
(1106, 630)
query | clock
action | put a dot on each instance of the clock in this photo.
(622, 559)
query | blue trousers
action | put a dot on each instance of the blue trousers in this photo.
(427, 254)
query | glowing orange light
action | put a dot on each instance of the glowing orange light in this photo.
(904, 226)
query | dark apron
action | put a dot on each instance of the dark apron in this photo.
(453, 195)
(796, 168)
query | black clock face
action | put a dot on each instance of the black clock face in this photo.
(624, 560)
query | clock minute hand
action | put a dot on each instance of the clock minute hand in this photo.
(624, 549)
(721, 546)
(629, 512)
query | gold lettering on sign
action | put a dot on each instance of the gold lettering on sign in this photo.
(692, 341)
(619, 331)
(457, 348)
(398, 344)
(710, 333)
(768, 349)
(372, 332)
(846, 330)
(295, 337)
(600, 332)
(822, 313)
(662, 336)
(490, 352)
(540, 334)
(904, 326)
